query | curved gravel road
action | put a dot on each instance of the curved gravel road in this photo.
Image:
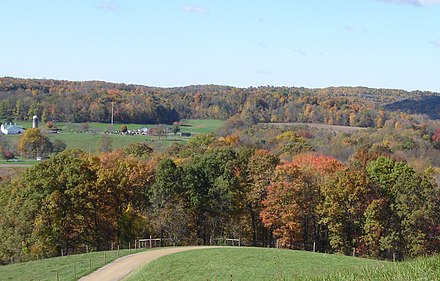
(121, 267)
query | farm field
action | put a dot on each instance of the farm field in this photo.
(333, 128)
(88, 142)
(47, 269)
(251, 264)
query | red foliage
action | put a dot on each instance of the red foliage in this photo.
(319, 163)
(436, 136)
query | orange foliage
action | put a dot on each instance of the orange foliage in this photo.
(320, 163)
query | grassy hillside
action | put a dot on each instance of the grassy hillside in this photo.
(250, 264)
(47, 269)
(231, 264)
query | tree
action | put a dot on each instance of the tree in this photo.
(8, 155)
(345, 198)
(171, 215)
(436, 138)
(105, 143)
(260, 168)
(49, 125)
(44, 116)
(405, 208)
(58, 146)
(175, 129)
(84, 127)
(211, 184)
(126, 182)
(33, 143)
(291, 207)
(140, 149)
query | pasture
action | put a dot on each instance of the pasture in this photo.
(65, 268)
(251, 264)
(88, 141)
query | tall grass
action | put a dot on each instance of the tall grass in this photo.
(420, 269)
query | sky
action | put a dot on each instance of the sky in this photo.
(242, 43)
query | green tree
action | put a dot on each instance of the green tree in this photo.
(407, 213)
(44, 116)
(18, 114)
(176, 128)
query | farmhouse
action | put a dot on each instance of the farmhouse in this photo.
(11, 129)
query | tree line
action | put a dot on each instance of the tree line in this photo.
(92, 101)
(212, 187)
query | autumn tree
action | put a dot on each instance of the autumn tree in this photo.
(126, 180)
(140, 149)
(260, 168)
(293, 198)
(105, 143)
(33, 143)
(345, 198)
(436, 138)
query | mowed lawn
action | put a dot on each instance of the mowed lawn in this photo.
(251, 264)
(66, 268)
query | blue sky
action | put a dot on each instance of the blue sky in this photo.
(309, 43)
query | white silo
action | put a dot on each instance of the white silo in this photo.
(35, 121)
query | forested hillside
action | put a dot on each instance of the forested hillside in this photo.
(370, 191)
(208, 189)
(57, 100)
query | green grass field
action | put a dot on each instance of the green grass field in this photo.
(231, 264)
(251, 264)
(47, 269)
(88, 142)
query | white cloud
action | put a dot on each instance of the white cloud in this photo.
(195, 9)
(108, 6)
(261, 44)
(436, 43)
(300, 52)
(413, 2)
(263, 72)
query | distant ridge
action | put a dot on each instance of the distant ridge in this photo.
(427, 105)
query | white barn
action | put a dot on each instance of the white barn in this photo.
(11, 129)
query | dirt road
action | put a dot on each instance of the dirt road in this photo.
(123, 266)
